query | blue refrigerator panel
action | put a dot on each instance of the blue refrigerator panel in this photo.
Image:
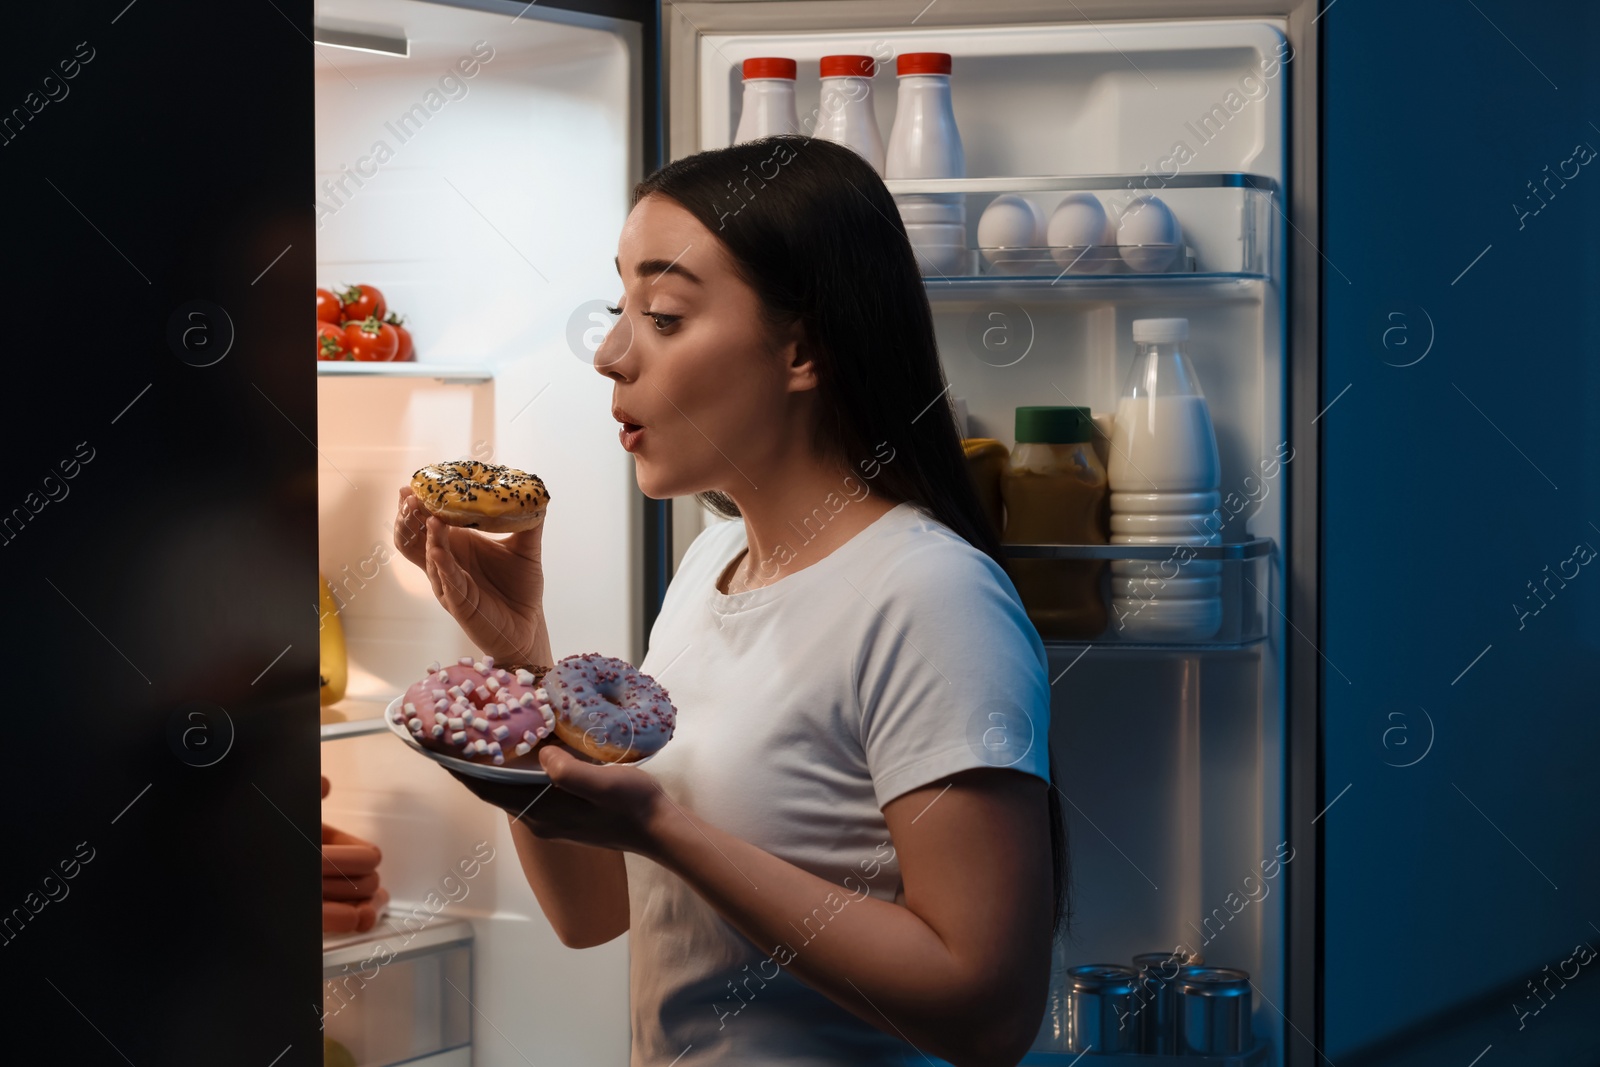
(1460, 523)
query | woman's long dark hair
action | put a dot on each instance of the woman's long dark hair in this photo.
(813, 230)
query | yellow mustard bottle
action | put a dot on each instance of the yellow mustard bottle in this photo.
(1055, 492)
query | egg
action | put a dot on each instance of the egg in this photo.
(1080, 234)
(1009, 225)
(1148, 235)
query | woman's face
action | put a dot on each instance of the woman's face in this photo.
(706, 397)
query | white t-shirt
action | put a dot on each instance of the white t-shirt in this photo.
(803, 707)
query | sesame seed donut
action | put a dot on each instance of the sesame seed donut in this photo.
(476, 711)
(608, 709)
(495, 499)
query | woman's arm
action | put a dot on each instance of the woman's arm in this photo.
(582, 890)
(961, 970)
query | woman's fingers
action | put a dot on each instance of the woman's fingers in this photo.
(452, 585)
(408, 526)
(338, 917)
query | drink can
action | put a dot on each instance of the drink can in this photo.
(1099, 1008)
(1156, 1000)
(1213, 1011)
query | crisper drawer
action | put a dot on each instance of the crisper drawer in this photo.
(399, 994)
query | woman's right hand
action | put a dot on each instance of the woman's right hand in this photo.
(493, 587)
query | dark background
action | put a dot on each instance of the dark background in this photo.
(179, 564)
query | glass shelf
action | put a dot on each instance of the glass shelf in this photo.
(444, 372)
(1137, 582)
(1254, 1058)
(1152, 183)
(353, 717)
(1257, 548)
(1219, 230)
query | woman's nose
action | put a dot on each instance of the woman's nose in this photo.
(613, 359)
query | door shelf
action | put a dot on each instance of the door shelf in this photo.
(1226, 602)
(1210, 288)
(1254, 1058)
(466, 374)
(1221, 227)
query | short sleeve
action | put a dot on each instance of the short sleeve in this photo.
(952, 675)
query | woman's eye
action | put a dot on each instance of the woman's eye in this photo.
(658, 319)
(613, 310)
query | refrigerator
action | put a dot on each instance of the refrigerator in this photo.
(486, 205)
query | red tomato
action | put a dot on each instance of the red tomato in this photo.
(330, 342)
(406, 351)
(328, 307)
(371, 341)
(362, 301)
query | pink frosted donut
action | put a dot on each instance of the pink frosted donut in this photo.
(608, 709)
(477, 711)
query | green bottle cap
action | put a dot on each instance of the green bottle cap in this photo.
(1054, 426)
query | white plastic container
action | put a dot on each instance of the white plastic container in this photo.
(1164, 474)
(924, 143)
(846, 110)
(768, 99)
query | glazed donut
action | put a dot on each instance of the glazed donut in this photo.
(495, 499)
(476, 711)
(608, 709)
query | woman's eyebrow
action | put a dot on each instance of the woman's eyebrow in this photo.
(647, 267)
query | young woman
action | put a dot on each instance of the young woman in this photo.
(850, 846)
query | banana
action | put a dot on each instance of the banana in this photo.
(334, 666)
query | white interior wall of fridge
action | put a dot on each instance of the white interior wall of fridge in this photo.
(1171, 762)
(488, 219)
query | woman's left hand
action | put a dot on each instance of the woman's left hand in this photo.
(608, 805)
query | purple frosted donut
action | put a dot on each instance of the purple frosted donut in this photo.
(608, 709)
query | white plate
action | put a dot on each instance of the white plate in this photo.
(530, 775)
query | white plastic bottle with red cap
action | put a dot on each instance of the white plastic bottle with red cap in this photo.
(768, 99)
(846, 111)
(925, 143)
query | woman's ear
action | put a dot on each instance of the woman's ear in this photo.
(799, 357)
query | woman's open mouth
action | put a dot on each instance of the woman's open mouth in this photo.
(630, 435)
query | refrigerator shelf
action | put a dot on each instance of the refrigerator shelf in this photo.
(1150, 227)
(353, 717)
(1256, 548)
(1138, 585)
(466, 374)
(1083, 183)
(1202, 286)
(1256, 1056)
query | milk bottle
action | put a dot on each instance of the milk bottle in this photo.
(1165, 478)
(847, 116)
(924, 143)
(768, 99)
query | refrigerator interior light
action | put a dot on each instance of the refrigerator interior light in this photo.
(385, 42)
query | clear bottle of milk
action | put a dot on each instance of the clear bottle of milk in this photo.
(846, 111)
(1165, 479)
(768, 99)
